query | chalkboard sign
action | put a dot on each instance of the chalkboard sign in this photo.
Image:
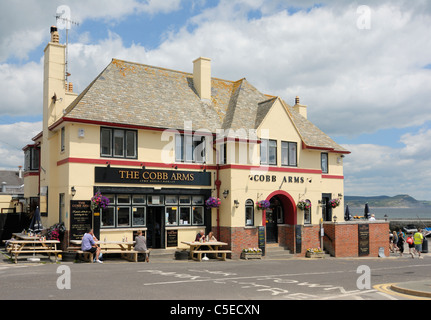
(298, 235)
(261, 239)
(81, 218)
(363, 239)
(172, 238)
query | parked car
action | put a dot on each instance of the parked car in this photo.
(410, 228)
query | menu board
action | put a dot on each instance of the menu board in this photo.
(172, 238)
(261, 239)
(363, 239)
(298, 236)
(81, 218)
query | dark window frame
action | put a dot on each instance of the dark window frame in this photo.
(322, 156)
(289, 164)
(266, 151)
(125, 143)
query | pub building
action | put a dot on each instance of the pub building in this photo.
(158, 143)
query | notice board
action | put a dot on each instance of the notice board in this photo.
(81, 218)
(172, 238)
(363, 239)
(261, 239)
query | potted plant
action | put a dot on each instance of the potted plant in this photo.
(213, 202)
(334, 202)
(263, 204)
(251, 253)
(315, 253)
(304, 204)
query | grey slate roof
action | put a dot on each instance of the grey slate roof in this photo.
(14, 184)
(142, 95)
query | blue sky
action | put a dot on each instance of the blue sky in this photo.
(369, 89)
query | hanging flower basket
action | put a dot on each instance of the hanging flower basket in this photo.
(304, 204)
(263, 204)
(213, 202)
(99, 202)
(334, 203)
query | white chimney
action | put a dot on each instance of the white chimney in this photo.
(202, 77)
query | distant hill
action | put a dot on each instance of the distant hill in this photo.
(399, 201)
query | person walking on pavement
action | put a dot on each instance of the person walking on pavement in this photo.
(418, 240)
(400, 243)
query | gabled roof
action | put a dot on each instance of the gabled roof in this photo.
(140, 95)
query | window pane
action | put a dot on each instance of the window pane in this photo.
(123, 217)
(185, 199)
(155, 200)
(249, 212)
(188, 141)
(199, 149)
(107, 219)
(106, 142)
(35, 159)
(185, 216)
(171, 216)
(292, 154)
(171, 200)
(138, 216)
(111, 198)
(118, 143)
(198, 200)
(179, 148)
(272, 152)
(139, 199)
(264, 152)
(284, 153)
(324, 158)
(198, 215)
(123, 199)
(63, 138)
(131, 144)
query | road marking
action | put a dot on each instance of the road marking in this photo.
(385, 289)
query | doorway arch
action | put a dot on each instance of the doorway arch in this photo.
(288, 204)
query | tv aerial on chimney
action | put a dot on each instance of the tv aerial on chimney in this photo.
(64, 21)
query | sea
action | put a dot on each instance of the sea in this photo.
(394, 213)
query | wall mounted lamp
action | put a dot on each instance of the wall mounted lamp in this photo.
(236, 203)
(73, 191)
(225, 193)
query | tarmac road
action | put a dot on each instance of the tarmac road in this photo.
(234, 280)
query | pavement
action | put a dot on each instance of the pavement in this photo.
(414, 289)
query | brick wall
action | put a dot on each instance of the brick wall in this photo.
(341, 239)
(239, 238)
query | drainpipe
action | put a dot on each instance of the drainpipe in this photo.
(218, 184)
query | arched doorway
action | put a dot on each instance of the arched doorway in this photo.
(282, 211)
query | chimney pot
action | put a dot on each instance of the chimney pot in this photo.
(297, 100)
(54, 35)
(70, 87)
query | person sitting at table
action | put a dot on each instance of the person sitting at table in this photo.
(200, 235)
(89, 245)
(141, 245)
(210, 237)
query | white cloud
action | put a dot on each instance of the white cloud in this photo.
(13, 137)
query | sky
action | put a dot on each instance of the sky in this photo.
(362, 68)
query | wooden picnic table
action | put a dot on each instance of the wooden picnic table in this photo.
(213, 248)
(17, 247)
(125, 248)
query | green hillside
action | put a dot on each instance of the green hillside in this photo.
(400, 201)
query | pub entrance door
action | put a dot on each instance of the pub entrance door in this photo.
(274, 216)
(155, 228)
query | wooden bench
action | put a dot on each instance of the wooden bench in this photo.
(216, 252)
(16, 253)
(130, 255)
